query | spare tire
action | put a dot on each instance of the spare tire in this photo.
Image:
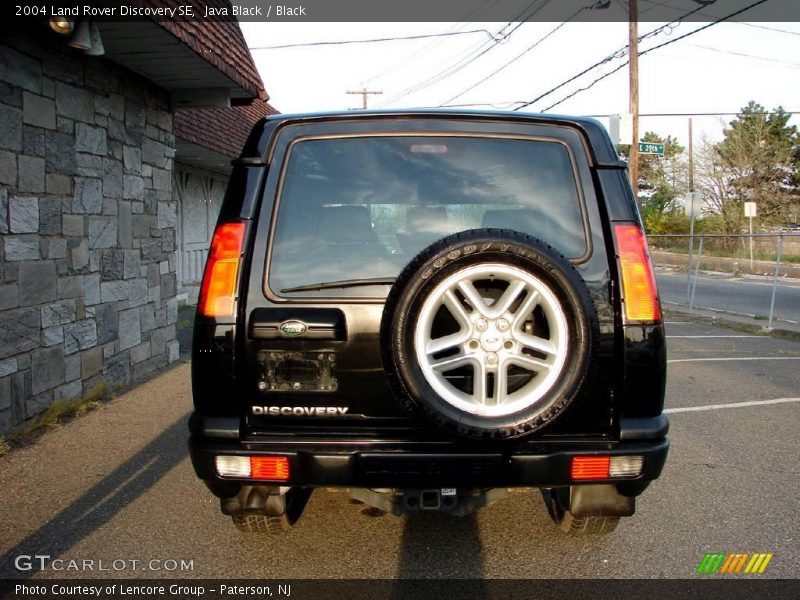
(490, 333)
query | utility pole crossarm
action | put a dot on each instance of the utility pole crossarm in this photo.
(364, 92)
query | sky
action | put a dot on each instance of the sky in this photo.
(719, 69)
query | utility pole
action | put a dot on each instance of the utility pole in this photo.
(690, 199)
(691, 158)
(633, 54)
(364, 92)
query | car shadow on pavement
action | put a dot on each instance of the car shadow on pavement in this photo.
(103, 501)
(436, 545)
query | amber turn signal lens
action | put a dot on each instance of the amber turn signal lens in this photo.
(639, 293)
(272, 468)
(218, 292)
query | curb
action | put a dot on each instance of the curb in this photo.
(729, 322)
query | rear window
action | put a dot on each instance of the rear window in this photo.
(363, 207)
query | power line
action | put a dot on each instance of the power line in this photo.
(523, 53)
(506, 65)
(670, 114)
(458, 66)
(599, 79)
(449, 70)
(662, 45)
(611, 57)
(745, 55)
(584, 88)
(527, 13)
(471, 16)
(375, 40)
(768, 28)
(435, 67)
(655, 4)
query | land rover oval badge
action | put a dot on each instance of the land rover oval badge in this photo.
(292, 328)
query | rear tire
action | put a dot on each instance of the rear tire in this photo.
(261, 524)
(557, 501)
(294, 502)
(490, 334)
(572, 525)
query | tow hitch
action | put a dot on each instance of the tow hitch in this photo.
(457, 502)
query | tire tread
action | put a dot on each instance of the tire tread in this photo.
(394, 318)
(261, 524)
(578, 526)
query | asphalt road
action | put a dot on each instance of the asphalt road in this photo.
(116, 484)
(737, 295)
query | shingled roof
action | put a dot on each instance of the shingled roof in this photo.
(221, 43)
(222, 130)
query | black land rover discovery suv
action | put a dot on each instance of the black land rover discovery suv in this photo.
(428, 308)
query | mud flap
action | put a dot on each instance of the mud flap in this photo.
(600, 501)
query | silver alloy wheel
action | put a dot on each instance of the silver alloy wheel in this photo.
(491, 340)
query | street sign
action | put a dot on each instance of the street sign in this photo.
(648, 148)
(620, 128)
(692, 204)
(750, 211)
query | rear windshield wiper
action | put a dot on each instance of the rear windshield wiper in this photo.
(343, 283)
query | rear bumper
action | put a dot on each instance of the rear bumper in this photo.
(399, 464)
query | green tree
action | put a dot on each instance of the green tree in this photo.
(761, 153)
(714, 178)
(661, 178)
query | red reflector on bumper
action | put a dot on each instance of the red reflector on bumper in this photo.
(590, 467)
(273, 468)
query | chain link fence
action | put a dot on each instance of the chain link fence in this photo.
(756, 275)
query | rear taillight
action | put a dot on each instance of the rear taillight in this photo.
(590, 467)
(638, 280)
(601, 466)
(273, 468)
(218, 292)
(233, 466)
(267, 468)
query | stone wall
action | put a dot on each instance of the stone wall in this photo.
(87, 226)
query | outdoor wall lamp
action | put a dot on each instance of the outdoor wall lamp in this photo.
(82, 37)
(62, 25)
(84, 34)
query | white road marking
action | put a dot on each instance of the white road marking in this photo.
(730, 405)
(696, 337)
(683, 360)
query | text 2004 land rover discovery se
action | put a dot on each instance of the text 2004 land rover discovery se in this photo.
(426, 309)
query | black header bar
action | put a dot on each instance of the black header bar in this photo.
(335, 11)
